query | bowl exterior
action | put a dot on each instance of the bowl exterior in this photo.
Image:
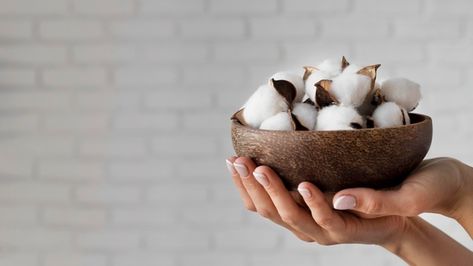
(334, 160)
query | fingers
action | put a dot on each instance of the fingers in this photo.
(291, 213)
(237, 181)
(322, 212)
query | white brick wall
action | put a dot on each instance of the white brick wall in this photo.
(114, 119)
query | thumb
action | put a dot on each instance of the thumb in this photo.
(377, 202)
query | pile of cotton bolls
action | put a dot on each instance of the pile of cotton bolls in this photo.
(335, 95)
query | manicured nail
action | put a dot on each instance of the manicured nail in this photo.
(345, 202)
(305, 193)
(241, 169)
(230, 167)
(261, 178)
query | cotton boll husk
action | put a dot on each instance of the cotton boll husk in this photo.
(389, 114)
(350, 89)
(265, 102)
(306, 114)
(402, 91)
(338, 118)
(280, 121)
(331, 67)
(315, 77)
(295, 79)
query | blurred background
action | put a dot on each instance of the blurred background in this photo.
(114, 119)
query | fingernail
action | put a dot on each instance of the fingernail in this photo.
(345, 202)
(305, 193)
(241, 169)
(261, 178)
(230, 167)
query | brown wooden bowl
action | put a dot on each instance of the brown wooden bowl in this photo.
(334, 160)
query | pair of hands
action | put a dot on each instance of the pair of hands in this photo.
(358, 215)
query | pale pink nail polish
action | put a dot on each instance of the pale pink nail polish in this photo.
(230, 167)
(261, 178)
(305, 193)
(241, 169)
(345, 202)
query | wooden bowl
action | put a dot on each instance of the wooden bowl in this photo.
(334, 160)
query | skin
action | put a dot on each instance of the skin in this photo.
(407, 236)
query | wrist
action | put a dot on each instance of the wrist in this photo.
(463, 212)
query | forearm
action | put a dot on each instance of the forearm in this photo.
(464, 211)
(423, 244)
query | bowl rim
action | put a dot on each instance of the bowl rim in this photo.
(424, 119)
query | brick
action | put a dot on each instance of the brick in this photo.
(388, 8)
(101, 194)
(104, 7)
(247, 52)
(34, 192)
(178, 100)
(309, 53)
(453, 8)
(234, 100)
(113, 147)
(208, 28)
(104, 53)
(215, 258)
(33, 54)
(17, 77)
(26, 7)
(70, 30)
(451, 52)
(18, 123)
(246, 7)
(145, 76)
(74, 259)
(285, 259)
(214, 75)
(143, 29)
(144, 259)
(15, 30)
(9, 258)
(145, 121)
(84, 77)
(107, 100)
(71, 170)
(178, 240)
(15, 167)
(392, 53)
(246, 239)
(319, 7)
(74, 217)
(184, 145)
(431, 78)
(207, 121)
(430, 30)
(26, 147)
(202, 168)
(108, 241)
(348, 29)
(175, 53)
(226, 192)
(169, 193)
(34, 100)
(212, 214)
(18, 215)
(36, 239)
(143, 217)
(174, 7)
(72, 122)
(282, 28)
(132, 171)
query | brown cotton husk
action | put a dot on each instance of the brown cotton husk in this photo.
(308, 101)
(238, 116)
(345, 63)
(298, 125)
(322, 95)
(370, 72)
(286, 89)
(308, 70)
(369, 122)
(373, 99)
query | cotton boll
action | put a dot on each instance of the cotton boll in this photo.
(350, 89)
(331, 67)
(280, 121)
(402, 91)
(390, 114)
(306, 114)
(315, 77)
(295, 79)
(352, 69)
(339, 118)
(265, 102)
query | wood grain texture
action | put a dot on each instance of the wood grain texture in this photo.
(334, 160)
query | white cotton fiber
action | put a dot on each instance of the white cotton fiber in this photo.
(315, 77)
(402, 91)
(306, 114)
(331, 67)
(390, 114)
(295, 80)
(280, 121)
(336, 117)
(352, 68)
(350, 89)
(265, 102)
